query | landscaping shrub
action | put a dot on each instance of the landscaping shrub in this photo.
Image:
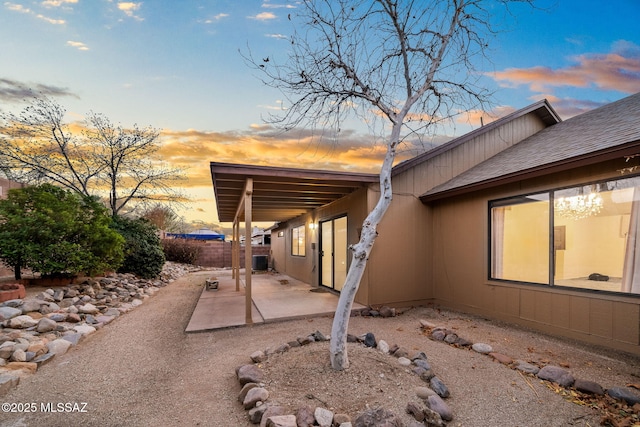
(143, 254)
(181, 250)
(53, 231)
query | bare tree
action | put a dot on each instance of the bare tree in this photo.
(97, 159)
(131, 168)
(409, 62)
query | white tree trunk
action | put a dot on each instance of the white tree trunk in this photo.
(361, 250)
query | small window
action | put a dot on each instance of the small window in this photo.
(298, 241)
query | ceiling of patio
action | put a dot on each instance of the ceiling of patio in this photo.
(280, 194)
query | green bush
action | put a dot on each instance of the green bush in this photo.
(181, 250)
(56, 232)
(143, 254)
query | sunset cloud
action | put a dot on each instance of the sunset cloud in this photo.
(14, 7)
(58, 3)
(263, 16)
(130, 9)
(618, 70)
(265, 145)
(77, 45)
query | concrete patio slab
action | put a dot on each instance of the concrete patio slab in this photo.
(275, 297)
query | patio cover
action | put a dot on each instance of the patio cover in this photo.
(266, 193)
(280, 194)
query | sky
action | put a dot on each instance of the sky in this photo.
(177, 66)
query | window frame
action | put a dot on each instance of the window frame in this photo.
(298, 241)
(552, 229)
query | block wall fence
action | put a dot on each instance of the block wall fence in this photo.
(218, 254)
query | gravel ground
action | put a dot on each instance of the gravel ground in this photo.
(143, 369)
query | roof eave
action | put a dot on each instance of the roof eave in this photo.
(566, 164)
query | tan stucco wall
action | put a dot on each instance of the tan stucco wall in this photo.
(306, 268)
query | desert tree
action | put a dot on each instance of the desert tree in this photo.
(95, 158)
(411, 63)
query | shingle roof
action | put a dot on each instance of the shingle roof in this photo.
(583, 137)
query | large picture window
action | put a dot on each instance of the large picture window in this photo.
(581, 237)
(298, 241)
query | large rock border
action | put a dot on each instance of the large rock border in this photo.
(429, 409)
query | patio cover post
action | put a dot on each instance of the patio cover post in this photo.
(248, 195)
(235, 253)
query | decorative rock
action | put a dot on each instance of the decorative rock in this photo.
(528, 368)
(305, 417)
(438, 405)
(404, 361)
(43, 359)
(590, 387)
(88, 308)
(324, 417)
(425, 324)
(30, 305)
(9, 313)
(424, 392)
(73, 338)
(8, 382)
(383, 346)
(13, 303)
(401, 352)
(438, 335)
(415, 411)
(419, 355)
(421, 363)
(319, 336)
(557, 375)
(282, 421)
(463, 342)
(505, 360)
(271, 411)
(342, 420)
(84, 329)
(112, 312)
(59, 346)
(28, 367)
(258, 356)
(438, 386)
(255, 414)
(73, 318)
(451, 338)
(370, 340)
(21, 322)
(249, 374)
(482, 348)
(255, 395)
(57, 317)
(432, 418)
(624, 393)
(387, 311)
(104, 320)
(6, 349)
(377, 418)
(245, 389)
(19, 355)
(46, 325)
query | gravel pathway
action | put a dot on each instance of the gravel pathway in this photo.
(143, 369)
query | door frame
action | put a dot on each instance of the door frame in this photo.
(322, 249)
